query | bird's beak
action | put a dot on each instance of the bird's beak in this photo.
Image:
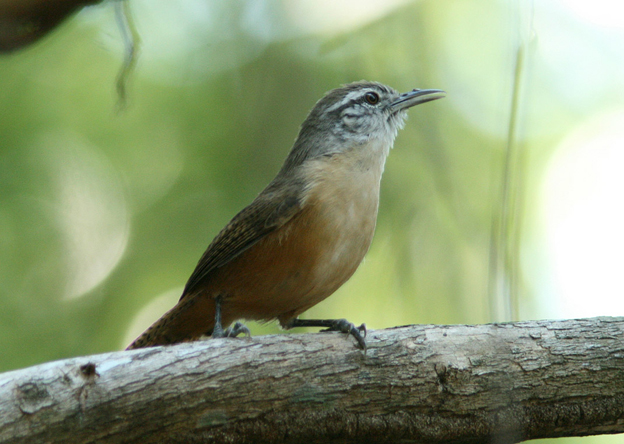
(416, 97)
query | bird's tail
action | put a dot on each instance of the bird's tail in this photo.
(189, 319)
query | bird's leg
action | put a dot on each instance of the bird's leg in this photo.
(217, 331)
(341, 325)
(230, 332)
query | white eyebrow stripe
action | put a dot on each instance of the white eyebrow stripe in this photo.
(349, 97)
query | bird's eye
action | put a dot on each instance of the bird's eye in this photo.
(372, 98)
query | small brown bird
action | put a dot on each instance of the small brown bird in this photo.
(306, 232)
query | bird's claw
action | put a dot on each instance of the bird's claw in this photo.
(231, 332)
(344, 326)
(237, 329)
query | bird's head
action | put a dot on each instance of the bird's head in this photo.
(356, 114)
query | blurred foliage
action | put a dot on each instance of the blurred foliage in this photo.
(103, 214)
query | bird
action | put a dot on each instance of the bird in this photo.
(306, 233)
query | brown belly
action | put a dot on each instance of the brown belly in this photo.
(291, 269)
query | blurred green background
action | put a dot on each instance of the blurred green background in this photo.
(500, 202)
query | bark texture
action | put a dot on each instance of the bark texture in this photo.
(498, 383)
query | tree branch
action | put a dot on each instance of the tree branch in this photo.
(434, 384)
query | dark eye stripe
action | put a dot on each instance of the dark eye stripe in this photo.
(341, 108)
(356, 101)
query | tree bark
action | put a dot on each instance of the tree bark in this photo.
(500, 383)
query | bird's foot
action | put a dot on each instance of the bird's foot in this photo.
(237, 329)
(341, 325)
(344, 326)
(230, 332)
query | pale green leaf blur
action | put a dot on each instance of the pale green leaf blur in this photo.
(500, 202)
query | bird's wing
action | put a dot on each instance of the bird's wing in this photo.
(264, 215)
